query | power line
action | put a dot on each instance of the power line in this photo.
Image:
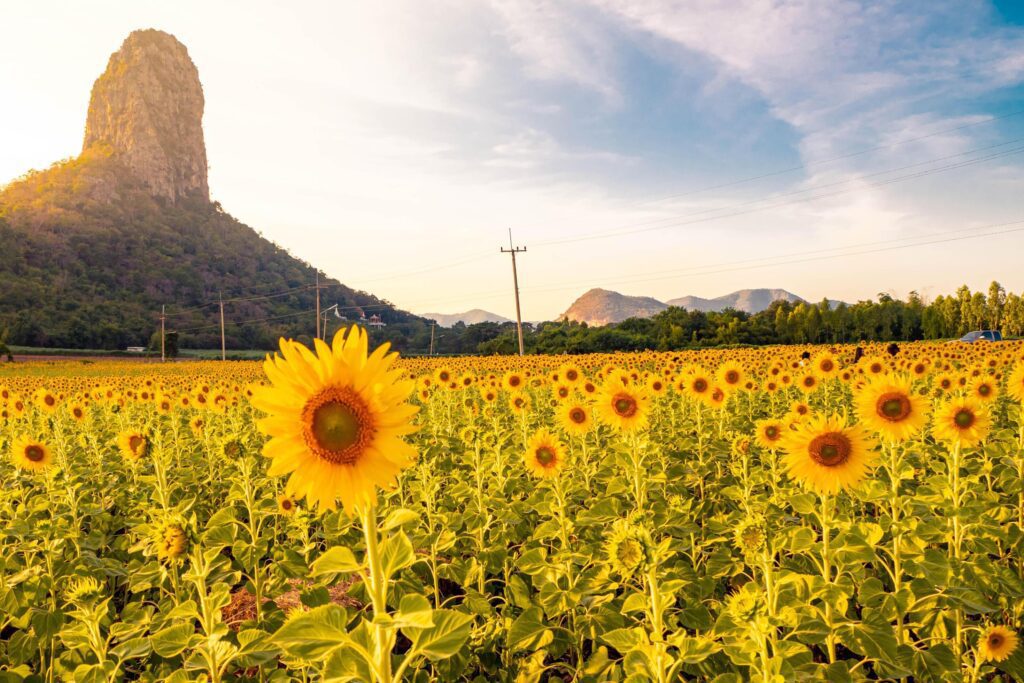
(246, 322)
(688, 272)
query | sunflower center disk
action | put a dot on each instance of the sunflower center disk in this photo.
(34, 453)
(545, 456)
(578, 416)
(338, 426)
(624, 406)
(894, 407)
(830, 450)
(964, 419)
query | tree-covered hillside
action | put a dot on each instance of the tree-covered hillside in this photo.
(89, 257)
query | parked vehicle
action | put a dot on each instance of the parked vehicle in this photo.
(982, 335)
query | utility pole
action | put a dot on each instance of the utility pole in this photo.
(318, 306)
(163, 317)
(515, 283)
(432, 338)
(223, 345)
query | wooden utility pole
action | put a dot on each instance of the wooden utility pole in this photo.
(318, 305)
(432, 338)
(223, 345)
(515, 284)
(163, 317)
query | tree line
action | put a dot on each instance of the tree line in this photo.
(884, 319)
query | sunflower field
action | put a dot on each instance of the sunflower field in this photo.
(337, 513)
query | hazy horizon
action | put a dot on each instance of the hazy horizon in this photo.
(393, 147)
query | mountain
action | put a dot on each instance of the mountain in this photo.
(747, 300)
(471, 317)
(601, 307)
(94, 246)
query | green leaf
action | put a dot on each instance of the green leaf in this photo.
(337, 560)
(132, 649)
(396, 554)
(528, 631)
(874, 638)
(398, 518)
(445, 637)
(255, 648)
(94, 673)
(313, 634)
(171, 641)
(624, 639)
(414, 611)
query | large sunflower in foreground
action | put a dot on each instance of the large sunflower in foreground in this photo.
(828, 455)
(888, 406)
(29, 454)
(622, 407)
(336, 419)
(962, 420)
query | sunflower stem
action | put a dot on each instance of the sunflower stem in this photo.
(378, 589)
(826, 572)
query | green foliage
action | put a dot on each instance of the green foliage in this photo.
(89, 258)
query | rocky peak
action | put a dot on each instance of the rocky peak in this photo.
(147, 107)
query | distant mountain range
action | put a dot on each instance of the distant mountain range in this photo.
(602, 307)
(472, 317)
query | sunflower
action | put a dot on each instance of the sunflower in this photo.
(170, 541)
(132, 444)
(874, 365)
(984, 388)
(962, 420)
(996, 644)
(623, 408)
(715, 398)
(825, 365)
(561, 391)
(769, 433)
(570, 373)
(514, 381)
(750, 535)
(888, 406)
(78, 413)
(46, 400)
(696, 383)
(519, 403)
(574, 417)
(628, 548)
(827, 455)
(30, 454)
(808, 382)
(1015, 382)
(285, 504)
(336, 419)
(545, 454)
(232, 449)
(731, 375)
(83, 590)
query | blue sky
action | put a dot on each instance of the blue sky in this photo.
(394, 144)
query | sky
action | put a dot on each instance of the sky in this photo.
(832, 148)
